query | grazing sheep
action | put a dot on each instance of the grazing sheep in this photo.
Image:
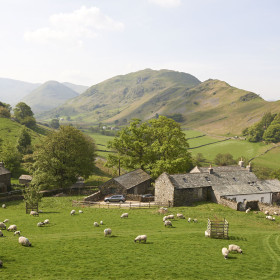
(1, 234)
(270, 218)
(107, 231)
(180, 216)
(235, 248)
(40, 224)
(164, 218)
(47, 221)
(24, 241)
(101, 223)
(1, 263)
(167, 223)
(17, 232)
(225, 252)
(207, 233)
(189, 220)
(266, 213)
(248, 210)
(6, 221)
(195, 221)
(124, 215)
(2, 226)
(73, 212)
(141, 238)
(34, 213)
(275, 213)
(12, 228)
(80, 211)
(170, 217)
(4, 206)
(96, 224)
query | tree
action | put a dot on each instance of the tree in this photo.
(24, 141)
(24, 115)
(62, 157)
(272, 134)
(54, 123)
(156, 146)
(5, 110)
(32, 194)
(224, 159)
(10, 156)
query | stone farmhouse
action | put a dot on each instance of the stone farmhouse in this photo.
(135, 182)
(5, 178)
(236, 183)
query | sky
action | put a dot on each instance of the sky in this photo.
(87, 41)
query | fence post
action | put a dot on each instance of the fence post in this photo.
(149, 204)
(129, 205)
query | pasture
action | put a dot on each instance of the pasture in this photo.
(71, 248)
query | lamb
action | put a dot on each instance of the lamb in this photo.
(248, 210)
(2, 226)
(170, 217)
(266, 213)
(72, 212)
(1, 234)
(225, 252)
(275, 213)
(236, 248)
(207, 233)
(164, 218)
(101, 223)
(80, 211)
(107, 231)
(34, 213)
(95, 224)
(24, 241)
(189, 220)
(195, 220)
(17, 232)
(47, 221)
(141, 238)
(5, 221)
(124, 215)
(40, 224)
(12, 228)
(270, 218)
(180, 216)
(3, 205)
(168, 223)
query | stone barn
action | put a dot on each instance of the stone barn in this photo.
(25, 179)
(136, 182)
(5, 178)
(231, 182)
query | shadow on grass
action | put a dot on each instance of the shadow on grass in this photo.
(237, 238)
(49, 212)
(112, 236)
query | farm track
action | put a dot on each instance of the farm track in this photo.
(272, 238)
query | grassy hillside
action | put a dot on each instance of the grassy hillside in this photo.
(71, 248)
(48, 96)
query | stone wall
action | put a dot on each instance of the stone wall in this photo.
(94, 197)
(141, 188)
(270, 208)
(112, 187)
(164, 190)
(189, 195)
(5, 179)
(227, 202)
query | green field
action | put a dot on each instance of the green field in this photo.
(71, 248)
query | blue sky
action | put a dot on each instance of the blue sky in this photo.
(88, 41)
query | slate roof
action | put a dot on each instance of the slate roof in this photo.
(25, 177)
(3, 170)
(133, 178)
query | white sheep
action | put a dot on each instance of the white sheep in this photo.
(170, 217)
(12, 228)
(248, 210)
(72, 212)
(225, 252)
(235, 248)
(195, 220)
(2, 226)
(17, 232)
(266, 213)
(124, 215)
(1, 233)
(270, 218)
(95, 224)
(164, 218)
(180, 216)
(275, 213)
(207, 233)
(141, 238)
(101, 223)
(6, 221)
(80, 211)
(40, 224)
(189, 220)
(107, 232)
(34, 213)
(167, 223)
(4, 206)
(24, 241)
(47, 221)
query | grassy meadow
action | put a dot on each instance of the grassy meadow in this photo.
(71, 248)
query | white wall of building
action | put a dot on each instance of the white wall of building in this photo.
(262, 197)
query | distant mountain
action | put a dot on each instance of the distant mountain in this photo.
(78, 88)
(48, 96)
(12, 91)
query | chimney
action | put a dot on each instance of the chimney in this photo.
(241, 163)
(210, 169)
(249, 167)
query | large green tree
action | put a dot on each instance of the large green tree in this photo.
(24, 115)
(10, 156)
(156, 146)
(24, 141)
(62, 157)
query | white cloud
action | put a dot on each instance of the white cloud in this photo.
(74, 27)
(166, 3)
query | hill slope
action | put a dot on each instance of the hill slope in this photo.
(78, 88)
(12, 91)
(48, 96)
